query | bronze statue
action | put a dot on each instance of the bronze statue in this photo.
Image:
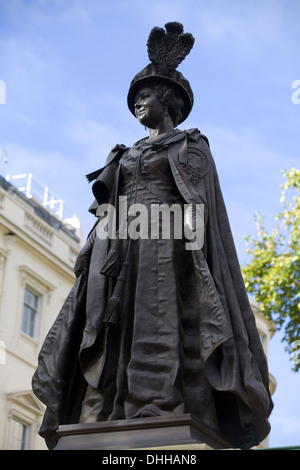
(154, 326)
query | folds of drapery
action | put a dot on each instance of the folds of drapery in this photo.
(73, 353)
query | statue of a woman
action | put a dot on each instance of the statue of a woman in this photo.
(158, 322)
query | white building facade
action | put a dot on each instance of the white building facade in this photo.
(37, 255)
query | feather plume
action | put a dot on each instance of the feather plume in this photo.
(166, 50)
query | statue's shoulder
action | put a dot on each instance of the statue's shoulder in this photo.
(195, 135)
(196, 159)
(114, 155)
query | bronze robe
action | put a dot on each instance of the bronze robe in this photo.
(184, 339)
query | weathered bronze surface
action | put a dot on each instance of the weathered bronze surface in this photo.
(153, 329)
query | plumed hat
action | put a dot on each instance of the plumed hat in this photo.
(166, 50)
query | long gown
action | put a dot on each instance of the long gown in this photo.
(154, 364)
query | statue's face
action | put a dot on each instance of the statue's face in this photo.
(148, 109)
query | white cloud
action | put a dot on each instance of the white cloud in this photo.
(62, 174)
(33, 72)
(95, 138)
(244, 24)
(96, 125)
(49, 11)
(45, 165)
(287, 426)
(159, 12)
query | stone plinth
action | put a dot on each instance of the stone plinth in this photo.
(163, 432)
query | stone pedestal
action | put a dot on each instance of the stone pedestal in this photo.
(170, 432)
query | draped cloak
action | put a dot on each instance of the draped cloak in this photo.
(75, 350)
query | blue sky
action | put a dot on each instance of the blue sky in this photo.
(67, 65)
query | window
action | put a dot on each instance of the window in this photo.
(19, 435)
(34, 294)
(30, 313)
(22, 421)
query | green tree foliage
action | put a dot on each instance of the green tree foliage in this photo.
(273, 274)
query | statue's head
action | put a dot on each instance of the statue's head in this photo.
(166, 51)
(154, 99)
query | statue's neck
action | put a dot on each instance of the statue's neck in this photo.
(165, 127)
